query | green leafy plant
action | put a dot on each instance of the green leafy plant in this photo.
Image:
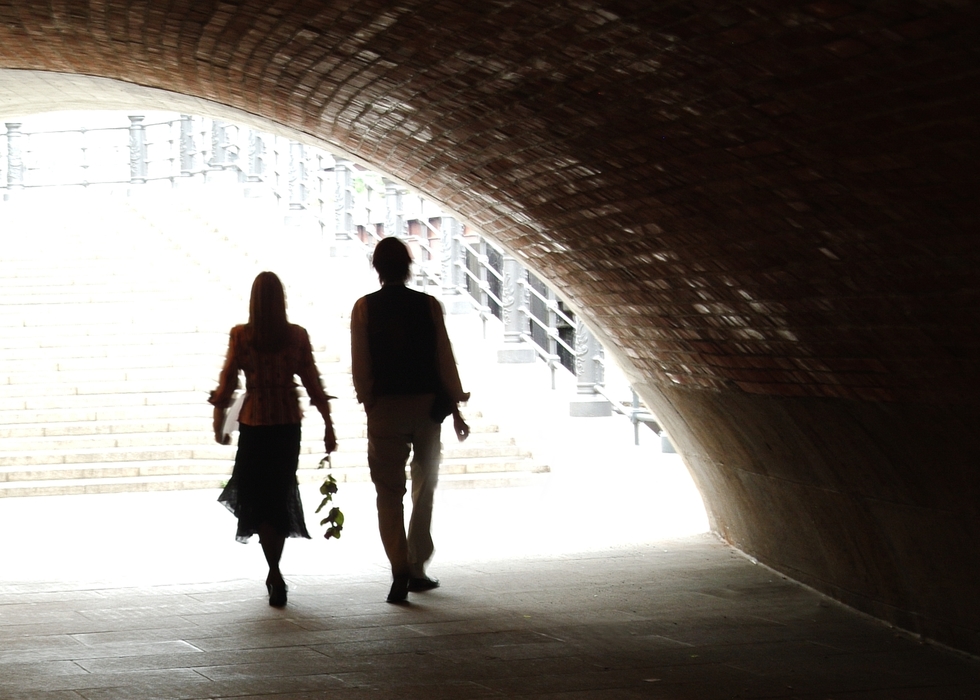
(335, 517)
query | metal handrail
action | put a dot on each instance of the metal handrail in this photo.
(552, 305)
(294, 182)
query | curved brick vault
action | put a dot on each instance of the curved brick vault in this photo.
(767, 210)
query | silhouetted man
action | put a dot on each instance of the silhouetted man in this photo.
(405, 375)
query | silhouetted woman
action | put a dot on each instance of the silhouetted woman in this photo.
(262, 491)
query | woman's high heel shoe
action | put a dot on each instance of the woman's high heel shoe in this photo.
(277, 594)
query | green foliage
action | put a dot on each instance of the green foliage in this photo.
(335, 516)
(363, 180)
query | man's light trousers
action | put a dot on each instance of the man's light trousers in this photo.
(398, 425)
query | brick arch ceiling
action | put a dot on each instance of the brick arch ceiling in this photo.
(768, 210)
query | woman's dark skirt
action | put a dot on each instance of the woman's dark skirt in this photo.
(262, 488)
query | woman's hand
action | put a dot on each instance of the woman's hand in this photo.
(219, 426)
(329, 438)
(460, 427)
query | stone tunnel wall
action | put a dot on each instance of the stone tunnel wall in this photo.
(767, 210)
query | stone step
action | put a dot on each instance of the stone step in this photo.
(137, 484)
(489, 481)
(186, 461)
(97, 376)
(140, 484)
(89, 368)
(109, 336)
(72, 340)
(195, 347)
(119, 470)
(30, 409)
(108, 361)
(117, 388)
(169, 398)
(125, 407)
(47, 452)
(92, 297)
(42, 459)
(96, 414)
(476, 448)
(73, 442)
(133, 368)
(103, 414)
(92, 427)
(347, 425)
(492, 465)
(446, 481)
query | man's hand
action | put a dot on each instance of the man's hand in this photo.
(329, 438)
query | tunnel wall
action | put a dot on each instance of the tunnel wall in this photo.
(767, 211)
(871, 503)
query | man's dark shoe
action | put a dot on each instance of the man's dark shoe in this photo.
(422, 583)
(399, 590)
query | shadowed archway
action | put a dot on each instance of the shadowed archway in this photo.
(766, 211)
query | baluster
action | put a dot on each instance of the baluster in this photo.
(324, 165)
(297, 176)
(514, 296)
(343, 201)
(84, 156)
(551, 328)
(15, 160)
(255, 164)
(394, 216)
(137, 150)
(589, 373)
(448, 231)
(188, 149)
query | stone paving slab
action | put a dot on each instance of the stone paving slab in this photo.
(589, 627)
(147, 596)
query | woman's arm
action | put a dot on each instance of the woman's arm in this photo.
(310, 376)
(220, 398)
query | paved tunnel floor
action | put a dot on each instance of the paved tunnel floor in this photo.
(549, 591)
(597, 581)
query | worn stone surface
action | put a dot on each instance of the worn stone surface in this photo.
(766, 209)
(686, 619)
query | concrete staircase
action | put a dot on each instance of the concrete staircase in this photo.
(113, 326)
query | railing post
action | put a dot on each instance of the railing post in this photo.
(552, 333)
(634, 410)
(219, 141)
(514, 298)
(324, 165)
(394, 218)
(137, 150)
(256, 156)
(449, 233)
(255, 165)
(297, 176)
(225, 154)
(84, 159)
(188, 149)
(481, 266)
(15, 159)
(343, 201)
(589, 372)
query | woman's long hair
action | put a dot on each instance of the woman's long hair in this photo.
(267, 324)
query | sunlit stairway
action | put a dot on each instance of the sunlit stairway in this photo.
(113, 325)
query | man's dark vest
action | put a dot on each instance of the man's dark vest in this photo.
(402, 342)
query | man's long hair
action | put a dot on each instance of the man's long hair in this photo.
(267, 323)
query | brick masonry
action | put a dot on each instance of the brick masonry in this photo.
(754, 203)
